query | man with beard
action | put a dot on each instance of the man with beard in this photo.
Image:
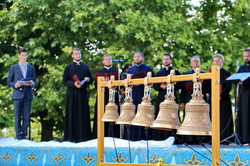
(139, 70)
(111, 129)
(76, 77)
(162, 88)
(243, 115)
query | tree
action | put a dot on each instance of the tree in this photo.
(51, 28)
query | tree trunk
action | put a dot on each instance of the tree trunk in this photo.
(47, 126)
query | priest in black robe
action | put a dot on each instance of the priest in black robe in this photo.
(226, 118)
(110, 129)
(139, 70)
(162, 89)
(76, 77)
(243, 115)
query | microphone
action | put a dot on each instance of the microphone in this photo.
(118, 60)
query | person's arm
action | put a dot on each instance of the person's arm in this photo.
(89, 79)
(178, 85)
(33, 76)
(226, 86)
(66, 78)
(157, 86)
(10, 80)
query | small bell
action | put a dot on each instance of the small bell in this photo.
(128, 108)
(197, 119)
(145, 113)
(168, 118)
(111, 109)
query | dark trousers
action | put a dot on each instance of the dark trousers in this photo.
(22, 117)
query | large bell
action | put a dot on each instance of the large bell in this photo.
(197, 119)
(111, 109)
(128, 108)
(145, 111)
(168, 118)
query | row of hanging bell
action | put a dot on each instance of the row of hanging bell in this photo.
(196, 122)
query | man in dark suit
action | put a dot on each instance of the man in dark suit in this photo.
(22, 77)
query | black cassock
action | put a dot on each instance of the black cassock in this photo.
(243, 115)
(110, 129)
(226, 119)
(160, 134)
(77, 117)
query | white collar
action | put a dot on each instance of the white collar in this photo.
(22, 64)
(77, 62)
(107, 67)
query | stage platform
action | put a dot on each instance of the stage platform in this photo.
(28, 153)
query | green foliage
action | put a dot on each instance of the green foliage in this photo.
(51, 28)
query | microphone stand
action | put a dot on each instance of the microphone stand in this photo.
(234, 135)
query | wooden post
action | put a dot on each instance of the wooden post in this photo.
(100, 124)
(215, 81)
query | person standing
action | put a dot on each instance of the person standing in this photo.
(162, 89)
(226, 118)
(22, 77)
(107, 71)
(76, 77)
(139, 70)
(243, 115)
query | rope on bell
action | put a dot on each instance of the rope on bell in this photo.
(111, 113)
(197, 87)
(127, 111)
(147, 98)
(170, 86)
(147, 88)
(111, 90)
(128, 99)
(128, 90)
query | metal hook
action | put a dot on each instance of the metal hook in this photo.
(111, 89)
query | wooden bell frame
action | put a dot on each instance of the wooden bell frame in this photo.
(214, 76)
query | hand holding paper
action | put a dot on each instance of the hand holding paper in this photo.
(24, 83)
(79, 83)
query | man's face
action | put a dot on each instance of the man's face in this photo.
(246, 56)
(76, 55)
(23, 57)
(107, 61)
(138, 58)
(195, 63)
(218, 61)
(166, 60)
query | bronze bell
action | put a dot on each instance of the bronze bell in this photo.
(197, 119)
(111, 109)
(168, 118)
(128, 108)
(145, 113)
